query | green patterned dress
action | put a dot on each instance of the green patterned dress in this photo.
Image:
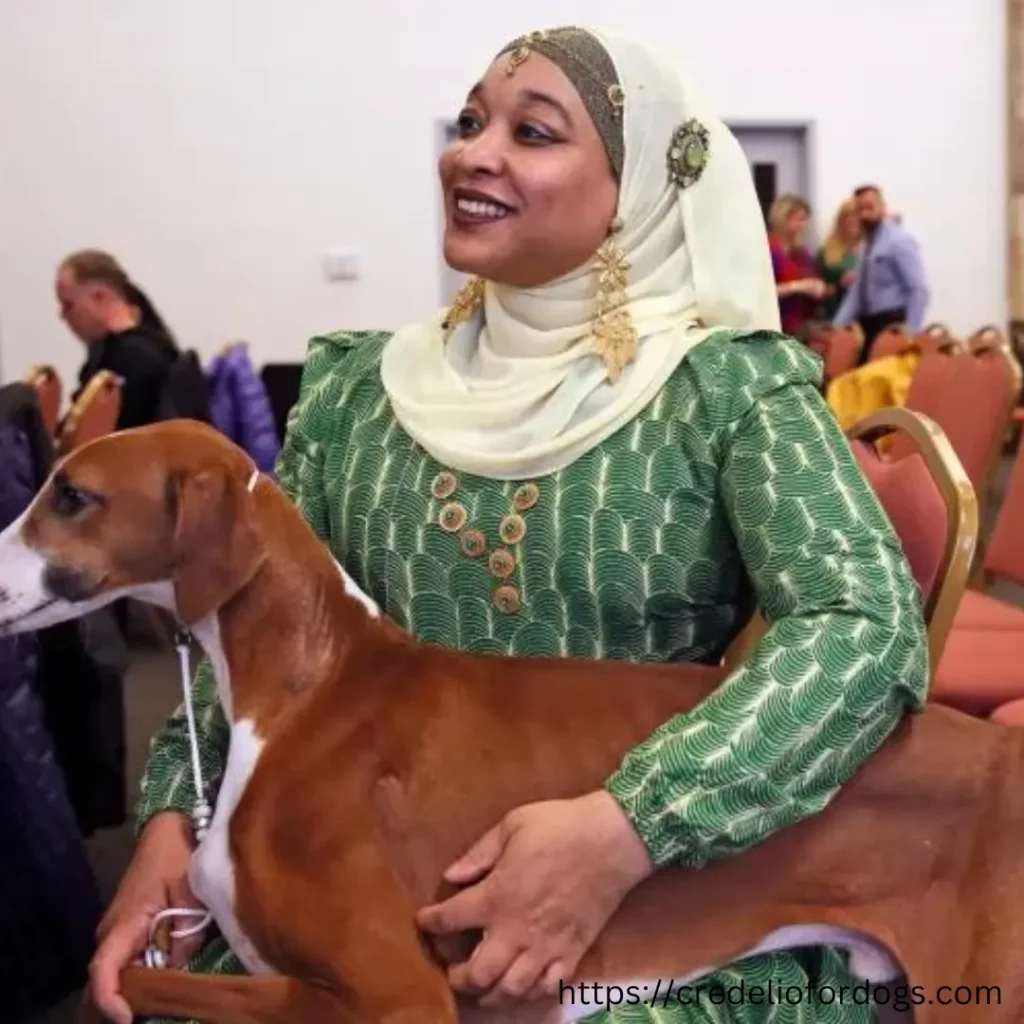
(733, 489)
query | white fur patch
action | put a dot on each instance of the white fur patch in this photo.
(353, 590)
(207, 632)
(23, 598)
(211, 873)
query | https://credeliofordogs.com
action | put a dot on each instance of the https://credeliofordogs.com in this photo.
(667, 993)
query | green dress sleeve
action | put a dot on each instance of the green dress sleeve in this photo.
(846, 652)
(167, 780)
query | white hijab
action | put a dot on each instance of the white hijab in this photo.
(517, 391)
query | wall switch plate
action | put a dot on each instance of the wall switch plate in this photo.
(341, 265)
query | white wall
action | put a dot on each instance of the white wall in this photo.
(219, 147)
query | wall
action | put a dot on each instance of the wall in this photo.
(219, 147)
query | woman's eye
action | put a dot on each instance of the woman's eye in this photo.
(533, 133)
(467, 123)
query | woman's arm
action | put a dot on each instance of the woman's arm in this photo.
(167, 781)
(846, 654)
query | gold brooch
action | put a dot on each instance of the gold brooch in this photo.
(688, 153)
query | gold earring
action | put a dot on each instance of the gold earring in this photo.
(464, 305)
(615, 337)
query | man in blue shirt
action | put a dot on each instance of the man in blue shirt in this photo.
(890, 286)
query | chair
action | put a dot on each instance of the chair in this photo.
(839, 348)
(929, 499)
(1003, 560)
(984, 664)
(46, 382)
(970, 396)
(988, 335)
(282, 381)
(95, 413)
(932, 506)
(893, 340)
(937, 336)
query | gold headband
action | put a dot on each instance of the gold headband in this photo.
(587, 64)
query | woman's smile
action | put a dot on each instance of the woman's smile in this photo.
(470, 209)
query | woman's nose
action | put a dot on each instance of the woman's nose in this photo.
(483, 154)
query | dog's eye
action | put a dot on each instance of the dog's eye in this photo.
(68, 501)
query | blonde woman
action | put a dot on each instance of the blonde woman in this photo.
(799, 286)
(839, 257)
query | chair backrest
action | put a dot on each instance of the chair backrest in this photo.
(45, 381)
(987, 336)
(931, 504)
(282, 381)
(1004, 555)
(893, 340)
(971, 397)
(186, 391)
(938, 336)
(840, 350)
(95, 413)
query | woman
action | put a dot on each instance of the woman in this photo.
(121, 329)
(603, 449)
(839, 256)
(798, 285)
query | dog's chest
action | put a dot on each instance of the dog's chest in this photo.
(211, 873)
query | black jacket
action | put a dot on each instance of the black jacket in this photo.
(142, 357)
(81, 669)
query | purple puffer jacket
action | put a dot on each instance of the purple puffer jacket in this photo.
(241, 408)
(49, 902)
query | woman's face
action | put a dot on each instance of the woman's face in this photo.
(529, 193)
(796, 223)
(849, 225)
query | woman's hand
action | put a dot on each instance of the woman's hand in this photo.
(155, 880)
(555, 873)
(848, 279)
(815, 287)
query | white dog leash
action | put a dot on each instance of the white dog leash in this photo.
(202, 812)
(201, 817)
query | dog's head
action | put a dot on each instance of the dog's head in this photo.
(162, 513)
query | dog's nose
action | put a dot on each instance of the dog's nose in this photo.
(68, 584)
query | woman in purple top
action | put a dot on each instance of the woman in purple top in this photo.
(800, 287)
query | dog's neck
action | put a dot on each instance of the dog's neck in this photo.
(291, 626)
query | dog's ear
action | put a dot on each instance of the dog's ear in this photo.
(216, 548)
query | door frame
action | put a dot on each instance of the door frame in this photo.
(809, 130)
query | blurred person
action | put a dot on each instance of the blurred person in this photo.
(839, 257)
(799, 286)
(121, 329)
(891, 286)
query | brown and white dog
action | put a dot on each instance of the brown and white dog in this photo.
(354, 773)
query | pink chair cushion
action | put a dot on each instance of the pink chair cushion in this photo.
(915, 507)
(982, 611)
(980, 670)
